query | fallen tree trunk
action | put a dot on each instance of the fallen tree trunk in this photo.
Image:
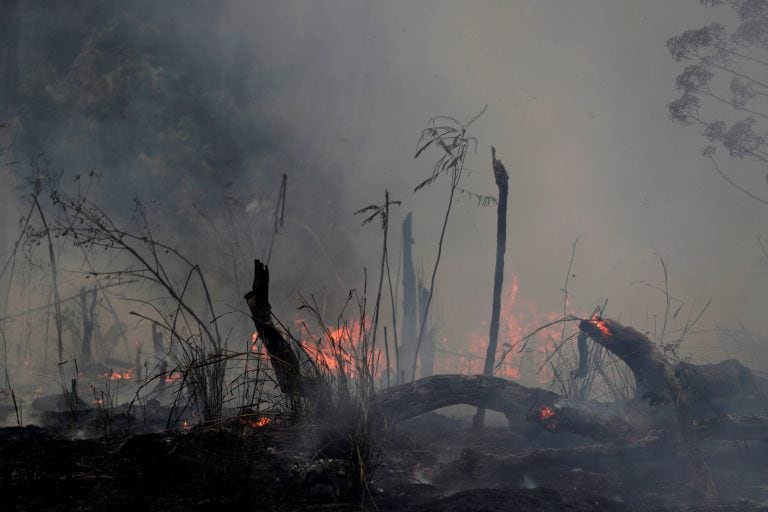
(656, 381)
(730, 427)
(598, 421)
(399, 403)
(625, 425)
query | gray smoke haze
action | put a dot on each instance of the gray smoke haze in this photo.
(337, 93)
(577, 97)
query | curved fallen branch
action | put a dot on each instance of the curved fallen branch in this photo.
(405, 401)
(655, 380)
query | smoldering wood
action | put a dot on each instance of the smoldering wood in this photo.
(598, 421)
(405, 401)
(628, 423)
(617, 423)
(654, 375)
(281, 355)
(656, 381)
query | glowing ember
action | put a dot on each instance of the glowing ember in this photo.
(545, 415)
(546, 412)
(173, 377)
(186, 426)
(254, 342)
(257, 423)
(601, 325)
(120, 375)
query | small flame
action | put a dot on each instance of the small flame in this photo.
(254, 341)
(186, 426)
(257, 423)
(173, 377)
(340, 347)
(601, 325)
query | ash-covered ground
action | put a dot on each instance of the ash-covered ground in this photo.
(434, 462)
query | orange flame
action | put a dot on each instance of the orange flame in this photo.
(254, 342)
(341, 347)
(519, 317)
(173, 377)
(257, 423)
(601, 325)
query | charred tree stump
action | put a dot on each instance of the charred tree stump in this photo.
(158, 346)
(408, 329)
(502, 182)
(88, 312)
(284, 360)
(656, 381)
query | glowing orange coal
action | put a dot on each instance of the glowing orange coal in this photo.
(173, 377)
(256, 423)
(255, 342)
(120, 375)
(546, 412)
(601, 325)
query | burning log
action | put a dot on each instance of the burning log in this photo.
(405, 401)
(622, 426)
(656, 381)
(595, 420)
(654, 375)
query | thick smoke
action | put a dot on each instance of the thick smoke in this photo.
(198, 108)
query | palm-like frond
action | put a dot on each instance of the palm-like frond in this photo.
(451, 138)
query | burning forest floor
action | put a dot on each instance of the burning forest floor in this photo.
(429, 463)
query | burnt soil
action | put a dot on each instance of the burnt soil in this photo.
(431, 463)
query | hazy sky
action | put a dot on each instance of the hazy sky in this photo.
(576, 95)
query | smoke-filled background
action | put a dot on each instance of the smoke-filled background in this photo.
(197, 108)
